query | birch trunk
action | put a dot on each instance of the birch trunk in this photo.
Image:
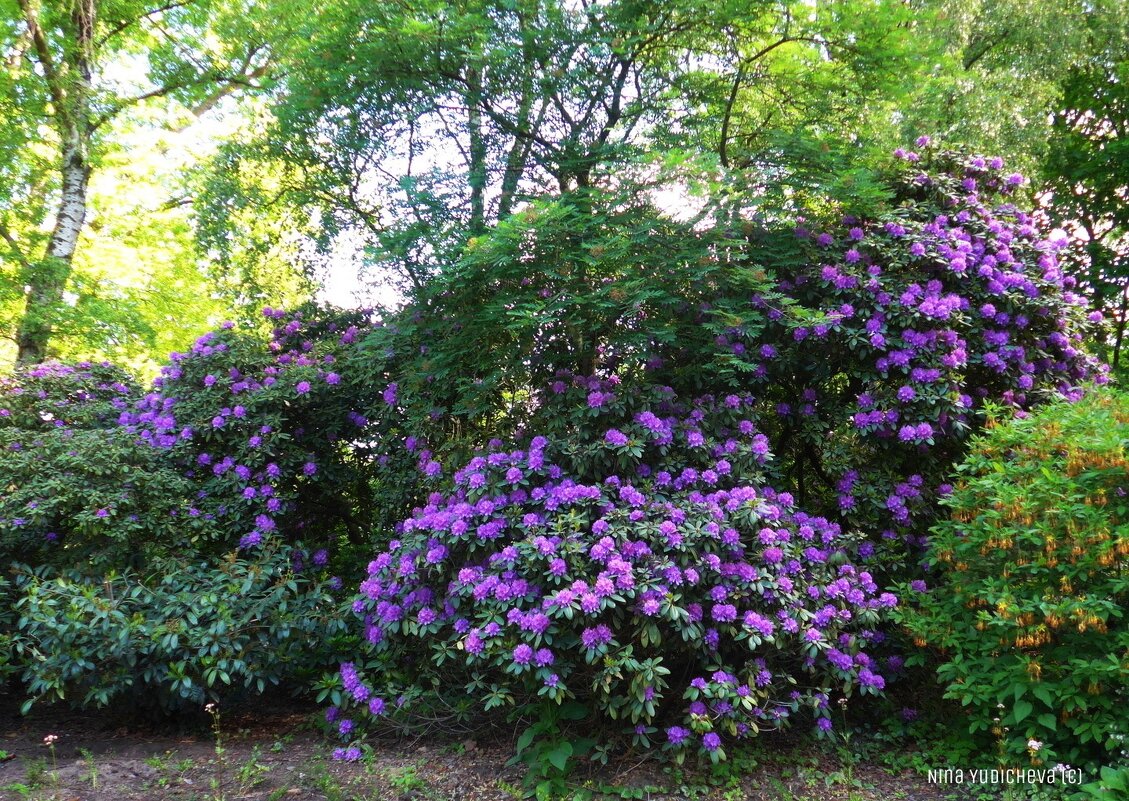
(69, 82)
(47, 279)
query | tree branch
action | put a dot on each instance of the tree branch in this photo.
(43, 53)
(968, 62)
(228, 85)
(6, 235)
(126, 24)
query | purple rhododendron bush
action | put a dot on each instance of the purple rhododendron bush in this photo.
(552, 569)
(870, 346)
(651, 476)
(633, 568)
(910, 324)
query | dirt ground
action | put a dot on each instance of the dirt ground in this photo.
(275, 752)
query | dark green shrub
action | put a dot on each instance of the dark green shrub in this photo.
(178, 635)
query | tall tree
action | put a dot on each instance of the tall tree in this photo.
(1087, 171)
(73, 75)
(1000, 73)
(417, 127)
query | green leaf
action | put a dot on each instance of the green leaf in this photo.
(574, 711)
(558, 757)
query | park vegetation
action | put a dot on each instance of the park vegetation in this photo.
(741, 363)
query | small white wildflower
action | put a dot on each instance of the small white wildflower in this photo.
(1034, 744)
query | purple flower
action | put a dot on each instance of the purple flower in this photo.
(616, 438)
(302, 387)
(867, 678)
(598, 399)
(596, 636)
(711, 741)
(523, 654)
(759, 624)
(676, 735)
(724, 613)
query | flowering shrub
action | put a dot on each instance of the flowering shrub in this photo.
(237, 442)
(871, 344)
(50, 396)
(888, 336)
(1030, 597)
(77, 488)
(241, 445)
(621, 563)
(273, 435)
(623, 557)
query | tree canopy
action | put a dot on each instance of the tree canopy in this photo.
(267, 142)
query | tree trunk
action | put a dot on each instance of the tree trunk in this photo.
(519, 149)
(476, 176)
(47, 279)
(70, 87)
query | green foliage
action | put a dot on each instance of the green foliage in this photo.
(434, 124)
(995, 84)
(1028, 613)
(563, 287)
(177, 635)
(96, 253)
(1111, 783)
(76, 487)
(550, 747)
(1087, 171)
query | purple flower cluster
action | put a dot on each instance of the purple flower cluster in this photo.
(207, 411)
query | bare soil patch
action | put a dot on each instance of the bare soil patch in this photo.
(274, 751)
